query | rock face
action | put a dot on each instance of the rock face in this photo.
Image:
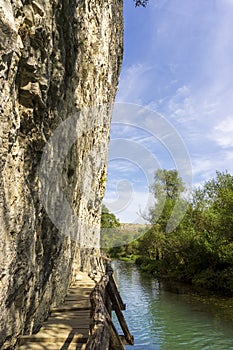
(59, 69)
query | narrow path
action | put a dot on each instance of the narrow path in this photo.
(67, 328)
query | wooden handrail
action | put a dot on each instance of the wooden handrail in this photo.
(103, 334)
(112, 288)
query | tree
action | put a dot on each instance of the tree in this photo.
(141, 3)
(167, 183)
(110, 233)
(215, 202)
(108, 220)
(199, 250)
(167, 189)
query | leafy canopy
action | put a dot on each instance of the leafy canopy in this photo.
(142, 3)
(167, 189)
(108, 220)
(167, 183)
(199, 250)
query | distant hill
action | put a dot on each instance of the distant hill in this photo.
(134, 228)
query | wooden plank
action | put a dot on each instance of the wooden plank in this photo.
(77, 338)
(70, 307)
(112, 285)
(99, 338)
(68, 324)
(103, 334)
(115, 340)
(117, 308)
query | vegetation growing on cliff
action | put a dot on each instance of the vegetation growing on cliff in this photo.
(199, 251)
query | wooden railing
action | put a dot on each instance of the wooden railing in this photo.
(104, 298)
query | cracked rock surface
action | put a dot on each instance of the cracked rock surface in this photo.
(59, 59)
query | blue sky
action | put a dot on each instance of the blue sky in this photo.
(178, 65)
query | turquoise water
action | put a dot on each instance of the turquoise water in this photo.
(161, 320)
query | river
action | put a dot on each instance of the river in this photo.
(162, 320)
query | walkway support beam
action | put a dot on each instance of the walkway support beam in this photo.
(103, 334)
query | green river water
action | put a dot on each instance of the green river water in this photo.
(162, 320)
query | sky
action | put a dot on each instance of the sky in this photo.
(174, 106)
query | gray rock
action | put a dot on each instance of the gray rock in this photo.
(59, 70)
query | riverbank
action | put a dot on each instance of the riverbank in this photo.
(206, 282)
(208, 298)
(199, 250)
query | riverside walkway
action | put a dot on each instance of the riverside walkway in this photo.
(67, 327)
(83, 321)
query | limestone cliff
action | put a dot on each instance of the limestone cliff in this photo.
(58, 59)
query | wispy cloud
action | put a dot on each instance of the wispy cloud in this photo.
(223, 133)
(180, 67)
(133, 82)
(128, 204)
(206, 165)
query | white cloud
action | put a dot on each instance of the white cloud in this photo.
(133, 83)
(186, 75)
(127, 205)
(223, 133)
(206, 165)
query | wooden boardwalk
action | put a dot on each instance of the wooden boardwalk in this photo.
(67, 328)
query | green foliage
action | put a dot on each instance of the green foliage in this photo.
(167, 190)
(215, 200)
(168, 184)
(110, 233)
(200, 250)
(142, 3)
(108, 220)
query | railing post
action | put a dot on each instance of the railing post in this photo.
(109, 269)
(117, 303)
(112, 288)
(108, 303)
(104, 298)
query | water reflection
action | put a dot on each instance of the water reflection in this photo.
(160, 320)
